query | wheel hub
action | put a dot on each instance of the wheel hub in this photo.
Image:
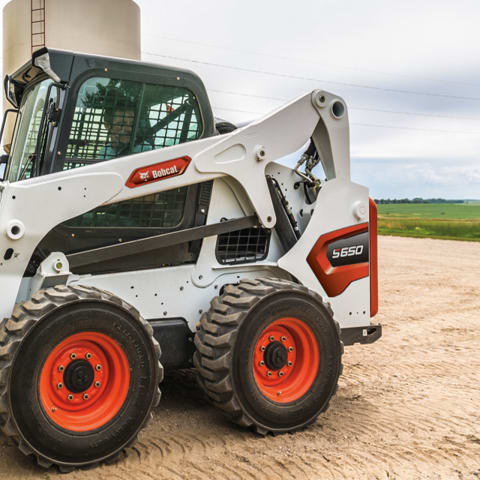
(285, 359)
(78, 376)
(84, 381)
(275, 356)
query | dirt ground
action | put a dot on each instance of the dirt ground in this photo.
(407, 407)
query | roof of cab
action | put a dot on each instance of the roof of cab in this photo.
(62, 61)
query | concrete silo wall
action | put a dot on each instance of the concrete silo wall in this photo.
(101, 27)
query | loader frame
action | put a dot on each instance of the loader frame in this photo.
(255, 279)
(244, 162)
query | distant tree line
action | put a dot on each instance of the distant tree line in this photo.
(416, 200)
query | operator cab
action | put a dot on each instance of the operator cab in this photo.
(74, 110)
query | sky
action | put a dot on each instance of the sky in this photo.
(409, 72)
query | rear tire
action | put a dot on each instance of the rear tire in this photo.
(79, 375)
(269, 354)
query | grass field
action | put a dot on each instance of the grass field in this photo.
(454, 221)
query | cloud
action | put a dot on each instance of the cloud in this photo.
(401, 143)
(398, 178)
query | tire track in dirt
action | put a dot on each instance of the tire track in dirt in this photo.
(407, 406)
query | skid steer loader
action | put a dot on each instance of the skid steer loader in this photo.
(138, 234)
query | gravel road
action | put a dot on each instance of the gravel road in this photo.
(407, 407)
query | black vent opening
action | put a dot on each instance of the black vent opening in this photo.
(243, 246)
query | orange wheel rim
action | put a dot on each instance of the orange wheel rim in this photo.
(84, 381)
(286, 360)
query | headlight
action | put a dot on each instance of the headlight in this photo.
(43, 62)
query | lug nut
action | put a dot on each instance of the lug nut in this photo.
(262, 348)
(289, 363)
(269, 374)
(283, 339)
(70, 396)
(290, 349)
(85, 396)
(60, 385)
(280, 374)
(73, 356)
(97, 384)
(88, 356)
(271, 338)
(61, 368)
(261, 363)
(98, 367)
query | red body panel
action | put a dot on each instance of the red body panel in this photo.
(335, 280)
(373, 259)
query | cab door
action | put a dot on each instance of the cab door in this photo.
(115, 117)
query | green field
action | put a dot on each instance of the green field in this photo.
(453, 221)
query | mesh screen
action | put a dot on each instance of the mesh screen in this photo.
(161, 210)
(242, 246)
(113, 118)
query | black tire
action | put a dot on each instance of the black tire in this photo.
(226, 342)
(27, 341)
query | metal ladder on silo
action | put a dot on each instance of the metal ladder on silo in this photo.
(38, 24)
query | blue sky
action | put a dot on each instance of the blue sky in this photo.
(409, 72)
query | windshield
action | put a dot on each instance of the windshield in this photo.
(25, 141)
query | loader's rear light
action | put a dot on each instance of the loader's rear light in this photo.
(372, 230)
(158, 171)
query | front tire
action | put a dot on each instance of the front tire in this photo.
(79, 376)
(269, 354)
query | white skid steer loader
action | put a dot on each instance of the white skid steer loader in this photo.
(138, 234)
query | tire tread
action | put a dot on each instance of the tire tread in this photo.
(14, 329)
(215, 338)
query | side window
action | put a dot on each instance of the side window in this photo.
(172, 122)
(27, 131)
(113, 118)
(161, 210)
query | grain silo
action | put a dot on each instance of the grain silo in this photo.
(102, 27)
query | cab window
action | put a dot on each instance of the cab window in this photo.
(114, 118)
(27, 131)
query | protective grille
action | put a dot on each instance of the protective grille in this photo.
(161, 210)
(88, 136)
(243, 246)
(114, 118)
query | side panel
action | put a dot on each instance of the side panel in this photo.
(339, 205)
(27, 214)
(170, 292)
(185, 291)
